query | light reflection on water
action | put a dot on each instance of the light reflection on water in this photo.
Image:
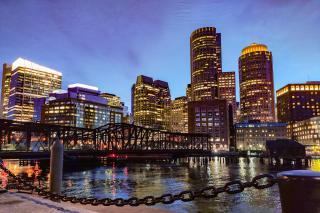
(144, 179)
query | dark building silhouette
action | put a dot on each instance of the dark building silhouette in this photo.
(285, 148)
(256, 84)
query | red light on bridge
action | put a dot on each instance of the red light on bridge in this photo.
(112, 156)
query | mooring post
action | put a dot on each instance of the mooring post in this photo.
(299, 191)
(56, 166)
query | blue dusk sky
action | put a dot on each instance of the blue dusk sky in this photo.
(107, 43)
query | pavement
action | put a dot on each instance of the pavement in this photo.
(26, 203)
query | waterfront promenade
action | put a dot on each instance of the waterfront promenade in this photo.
(21, 203)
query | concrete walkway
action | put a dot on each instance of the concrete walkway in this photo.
(26, 203)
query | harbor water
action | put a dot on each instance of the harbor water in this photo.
(126, 180)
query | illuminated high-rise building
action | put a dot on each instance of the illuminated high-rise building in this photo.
(29, 81)
(150, 102)
(112, 99)
(179, 115)
(205, 53)
(298, 102)
(207, 112)
(227, 90)
(5, 91)
(80, 106)
(256, 84)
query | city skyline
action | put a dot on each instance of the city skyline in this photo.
(74, 43)
(160, 105)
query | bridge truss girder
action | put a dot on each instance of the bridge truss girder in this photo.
(119, 136)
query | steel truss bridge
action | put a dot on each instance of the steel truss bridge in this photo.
(119, 137)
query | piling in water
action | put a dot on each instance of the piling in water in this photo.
(56, 167)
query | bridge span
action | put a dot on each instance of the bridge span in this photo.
(28, 139)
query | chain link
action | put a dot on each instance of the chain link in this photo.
(233, 187)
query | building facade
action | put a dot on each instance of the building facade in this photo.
(150, 102)
(29, 81)
(252, 136)
(227, 90)
(307, 132)
(256, 84)
(5, 90)
(112, 99)
(210, 117)
(79, 106)
(205, 53)
(298, 102)
(179, 115)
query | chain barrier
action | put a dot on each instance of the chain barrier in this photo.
(259, 182)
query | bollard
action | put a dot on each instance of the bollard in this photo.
(299, 191)
(56, 167)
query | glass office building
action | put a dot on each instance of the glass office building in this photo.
(79, 106)
(179, 115)
(28, 82)
(150, 102)
(227, 90)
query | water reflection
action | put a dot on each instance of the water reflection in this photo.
(315, 165)
(144, 179)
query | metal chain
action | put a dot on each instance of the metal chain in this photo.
(259, 182)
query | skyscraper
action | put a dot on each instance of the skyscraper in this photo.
(29, 81)
(5, 91)
(205, 53)
(179, 115)
(151, 103)
(207, 113)
(256, 84)
(227, 90)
